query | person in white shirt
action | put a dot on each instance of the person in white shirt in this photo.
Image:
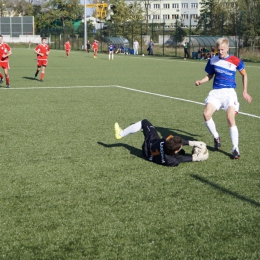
(136, 46)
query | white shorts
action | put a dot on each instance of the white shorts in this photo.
(223, 98)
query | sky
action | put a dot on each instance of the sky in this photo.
(89, 10)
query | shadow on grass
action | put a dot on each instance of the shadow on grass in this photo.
(173, 131)
(30, 78)
(133, 150)
(212, 149)
(224, 190)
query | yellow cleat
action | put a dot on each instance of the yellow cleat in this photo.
(118, 130)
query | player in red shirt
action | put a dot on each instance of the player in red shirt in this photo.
(95, 48)
(42, 50)
(5, 52)
(67, 48)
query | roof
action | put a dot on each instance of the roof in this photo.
(117, 40)
(208, 41)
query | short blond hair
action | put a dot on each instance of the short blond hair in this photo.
(221, 41)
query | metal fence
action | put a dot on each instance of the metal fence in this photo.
(167, 41)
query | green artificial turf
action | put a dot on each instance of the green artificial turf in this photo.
(70, 190)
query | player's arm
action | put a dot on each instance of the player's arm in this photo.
(7, 54)
(204, 80)
(246, 96)
(37, 51)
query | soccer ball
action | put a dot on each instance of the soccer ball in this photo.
(142, 54)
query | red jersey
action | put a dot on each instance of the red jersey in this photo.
(67, 46)
(95, 45)
(43, 49)
(4, 49)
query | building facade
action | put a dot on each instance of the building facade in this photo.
(185, 12)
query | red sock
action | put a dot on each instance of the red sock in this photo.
(1, 75)
(7, 80)
(42, 75)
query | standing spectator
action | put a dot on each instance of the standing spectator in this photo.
(111, 51)
(150, 47)
(136, 47)
(88, 47)
(95, 48)
(223, 68)
(213, 52)
(186, 50)
(5, 52)
(42, 50)
(67, 48)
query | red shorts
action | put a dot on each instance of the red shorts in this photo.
(67, 50)
(41, 63)
(4, 64)
(95, 50)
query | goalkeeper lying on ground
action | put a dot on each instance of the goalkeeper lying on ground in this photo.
(165, 151)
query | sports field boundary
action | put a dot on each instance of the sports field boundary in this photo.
(121, 87)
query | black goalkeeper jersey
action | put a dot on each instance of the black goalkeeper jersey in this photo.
(154, 150)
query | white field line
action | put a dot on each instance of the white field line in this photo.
(126, 88)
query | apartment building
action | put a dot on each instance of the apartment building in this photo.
(168, 11)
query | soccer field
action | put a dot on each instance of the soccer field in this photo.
(70, 190)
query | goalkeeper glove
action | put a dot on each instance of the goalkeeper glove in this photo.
(200, 154)
(197, 144)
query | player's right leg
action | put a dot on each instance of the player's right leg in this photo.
(207, 114)
(148, 128)
(119, 132)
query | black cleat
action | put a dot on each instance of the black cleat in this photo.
(41, 80)
(236, 154)
(217, 144)
(1, 80)
(7, 86)
(36, 74)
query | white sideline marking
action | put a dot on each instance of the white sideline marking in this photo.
(181, 99)
(131, 89)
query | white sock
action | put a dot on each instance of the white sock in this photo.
(132, 129)
(234, 137)
(212, 127)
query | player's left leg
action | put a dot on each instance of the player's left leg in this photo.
(42, 73)
(7, 79)
(234, 136)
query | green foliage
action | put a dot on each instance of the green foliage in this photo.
(126, 19)
(90, 28)
(59, 13)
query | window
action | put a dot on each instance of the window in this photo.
(166, 16)
(156, 16)
(184, 16)
(194, 5)
(166, 6)
(149, 17)
(184, 5)
(175, 16)
(156, 6)
(194, 16)
(175, 6)
(147, 6)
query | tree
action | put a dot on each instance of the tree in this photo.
(60, 13)
(210, 17)
(250, 24)
(126, 19)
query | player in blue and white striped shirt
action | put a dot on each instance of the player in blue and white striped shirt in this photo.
(223, 68)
